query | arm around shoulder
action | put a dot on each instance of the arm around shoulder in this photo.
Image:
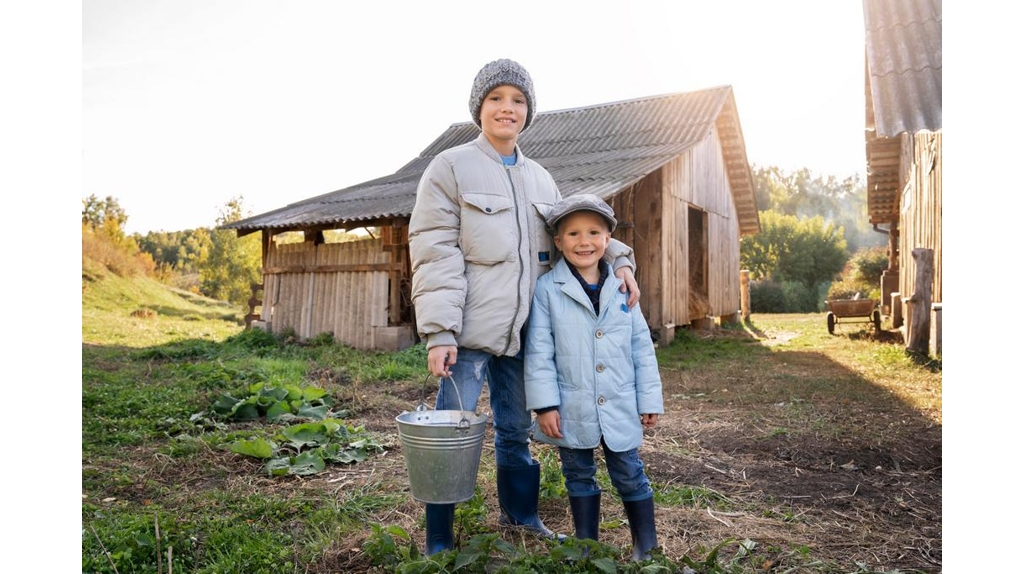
(620, 255)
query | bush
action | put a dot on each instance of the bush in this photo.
(868, 265)
(789, 248)
(847, 288)
(799, 297)
(862, 275)
(767, 297)
(253, 340)
(120, 259)
(785, 297)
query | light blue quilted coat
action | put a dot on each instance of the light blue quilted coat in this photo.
(600, 371)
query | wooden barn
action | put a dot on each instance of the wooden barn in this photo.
(903, 94)
(673, 166)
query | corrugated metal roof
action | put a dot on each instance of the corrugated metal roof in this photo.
(598, 149)
(904, 59)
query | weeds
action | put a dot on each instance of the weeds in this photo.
(552, 483)
(693, 496)
(470, 516)
(393, 550)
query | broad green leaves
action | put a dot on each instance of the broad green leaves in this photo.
(257, 447)
(275, 403)
(307, 448)
(302, 465)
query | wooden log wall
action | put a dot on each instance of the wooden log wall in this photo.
(328, 287)
(657, 209)
(921, 208)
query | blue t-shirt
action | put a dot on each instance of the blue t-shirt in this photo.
(508, 159)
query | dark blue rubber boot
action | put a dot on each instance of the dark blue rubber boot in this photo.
(641, 526)
(518, 497)
(440, 519)
(586, 514)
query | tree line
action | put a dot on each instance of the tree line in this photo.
(210, 261)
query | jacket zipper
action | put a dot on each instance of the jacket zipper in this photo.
(519, 246)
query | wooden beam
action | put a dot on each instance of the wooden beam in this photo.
(745, 294)
(266, 240)
(920, 317)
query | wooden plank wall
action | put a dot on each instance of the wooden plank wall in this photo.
(921, 208)
(640, 205)
(677, 179)
(657, 209)
(699, 178)
(350, 304)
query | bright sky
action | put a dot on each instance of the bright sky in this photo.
(189, 103)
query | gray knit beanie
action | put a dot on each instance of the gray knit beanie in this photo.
(503, 72)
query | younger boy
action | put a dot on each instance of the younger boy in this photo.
(591, 374)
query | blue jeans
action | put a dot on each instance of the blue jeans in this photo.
(625, 469)
(508, 400)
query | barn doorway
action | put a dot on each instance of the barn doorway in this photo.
(699, 305)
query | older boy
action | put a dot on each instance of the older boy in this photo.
(478, 243)
(591, 373)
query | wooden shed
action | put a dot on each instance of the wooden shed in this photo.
(674, 168)
(903, 96)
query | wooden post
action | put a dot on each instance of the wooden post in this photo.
(889, 282)
(254, 301)
(935, 348)
(894, 246)
(745, 294)
(920, 321)
(896, 307)
(266, 241)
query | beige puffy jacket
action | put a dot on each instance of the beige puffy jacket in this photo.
(478, 244)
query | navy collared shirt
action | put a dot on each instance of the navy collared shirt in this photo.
(593, 291)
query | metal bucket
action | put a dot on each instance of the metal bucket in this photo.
(442, 451)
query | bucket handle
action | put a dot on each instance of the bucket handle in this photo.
(464, 422)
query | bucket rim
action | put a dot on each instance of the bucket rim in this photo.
(473, 418)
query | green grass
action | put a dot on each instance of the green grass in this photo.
(692, 496)
(688, 350)
(109, 300)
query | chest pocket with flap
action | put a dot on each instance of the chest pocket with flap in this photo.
(488, 229)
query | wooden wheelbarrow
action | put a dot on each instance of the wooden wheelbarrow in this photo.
(850, 309)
